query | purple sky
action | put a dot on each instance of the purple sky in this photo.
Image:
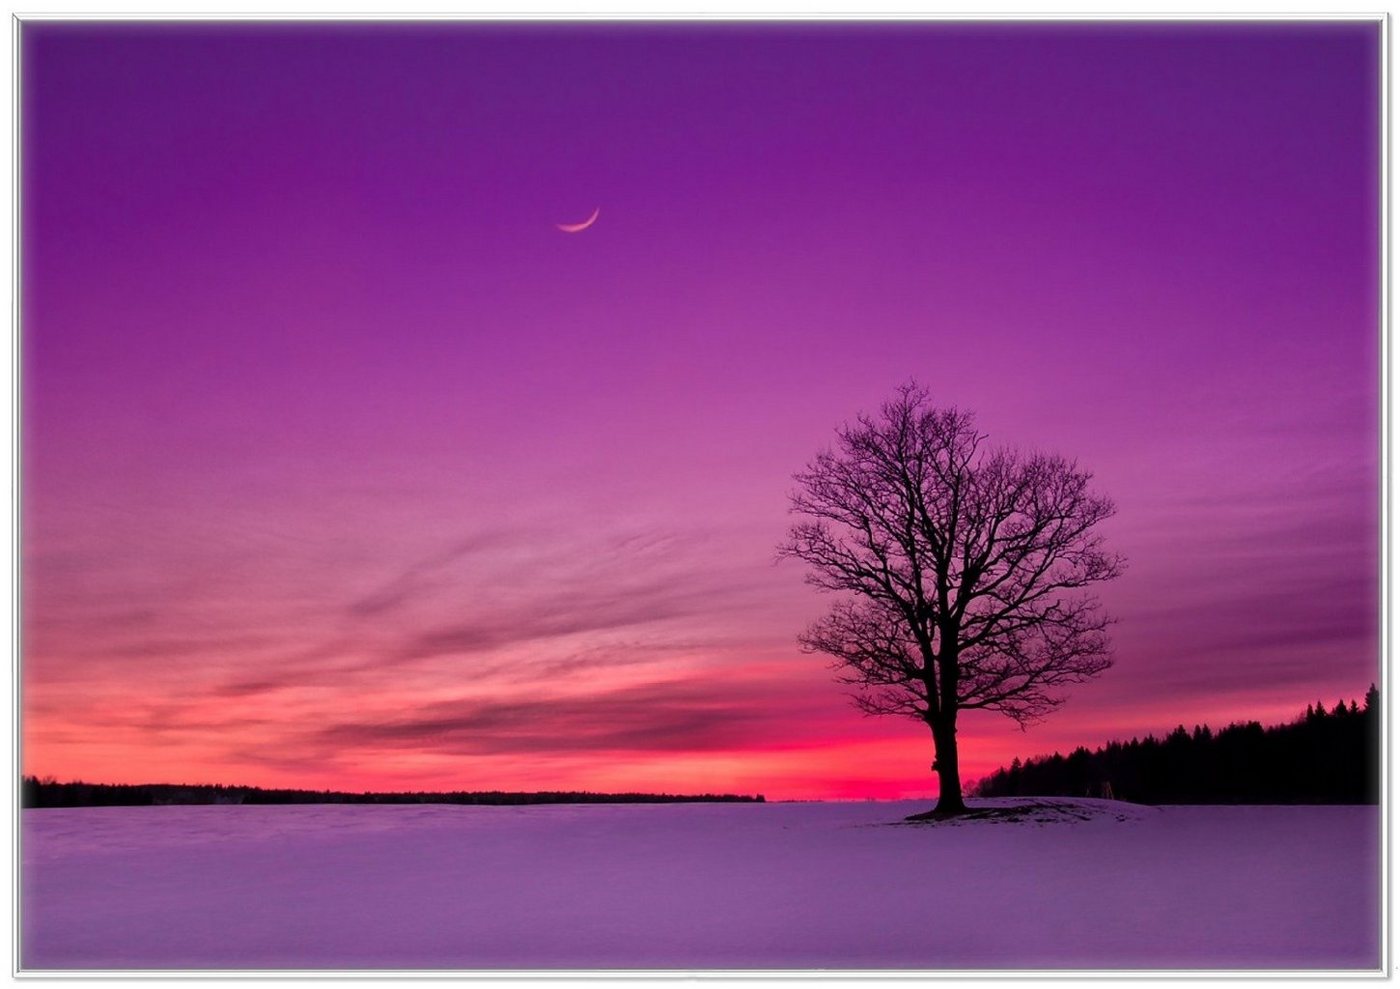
(343, 466)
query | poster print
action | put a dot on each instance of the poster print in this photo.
(699, 495)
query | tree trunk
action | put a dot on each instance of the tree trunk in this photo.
(945, 748)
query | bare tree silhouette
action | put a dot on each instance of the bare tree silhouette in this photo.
(961, 567)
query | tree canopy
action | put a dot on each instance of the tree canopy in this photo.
(962, 570)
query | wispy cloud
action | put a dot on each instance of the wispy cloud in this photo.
(677, 715)
(424, 576)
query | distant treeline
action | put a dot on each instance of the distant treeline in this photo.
(1325, 756)
(37, 792)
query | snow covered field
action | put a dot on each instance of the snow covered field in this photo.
(698, 886)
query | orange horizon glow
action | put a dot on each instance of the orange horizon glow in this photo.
(887, 760)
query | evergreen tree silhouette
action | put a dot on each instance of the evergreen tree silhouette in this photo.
(1321, 757)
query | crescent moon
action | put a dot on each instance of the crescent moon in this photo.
(573, 228)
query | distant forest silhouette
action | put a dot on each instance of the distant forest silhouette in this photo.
(37, 792)
(1324, 756)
